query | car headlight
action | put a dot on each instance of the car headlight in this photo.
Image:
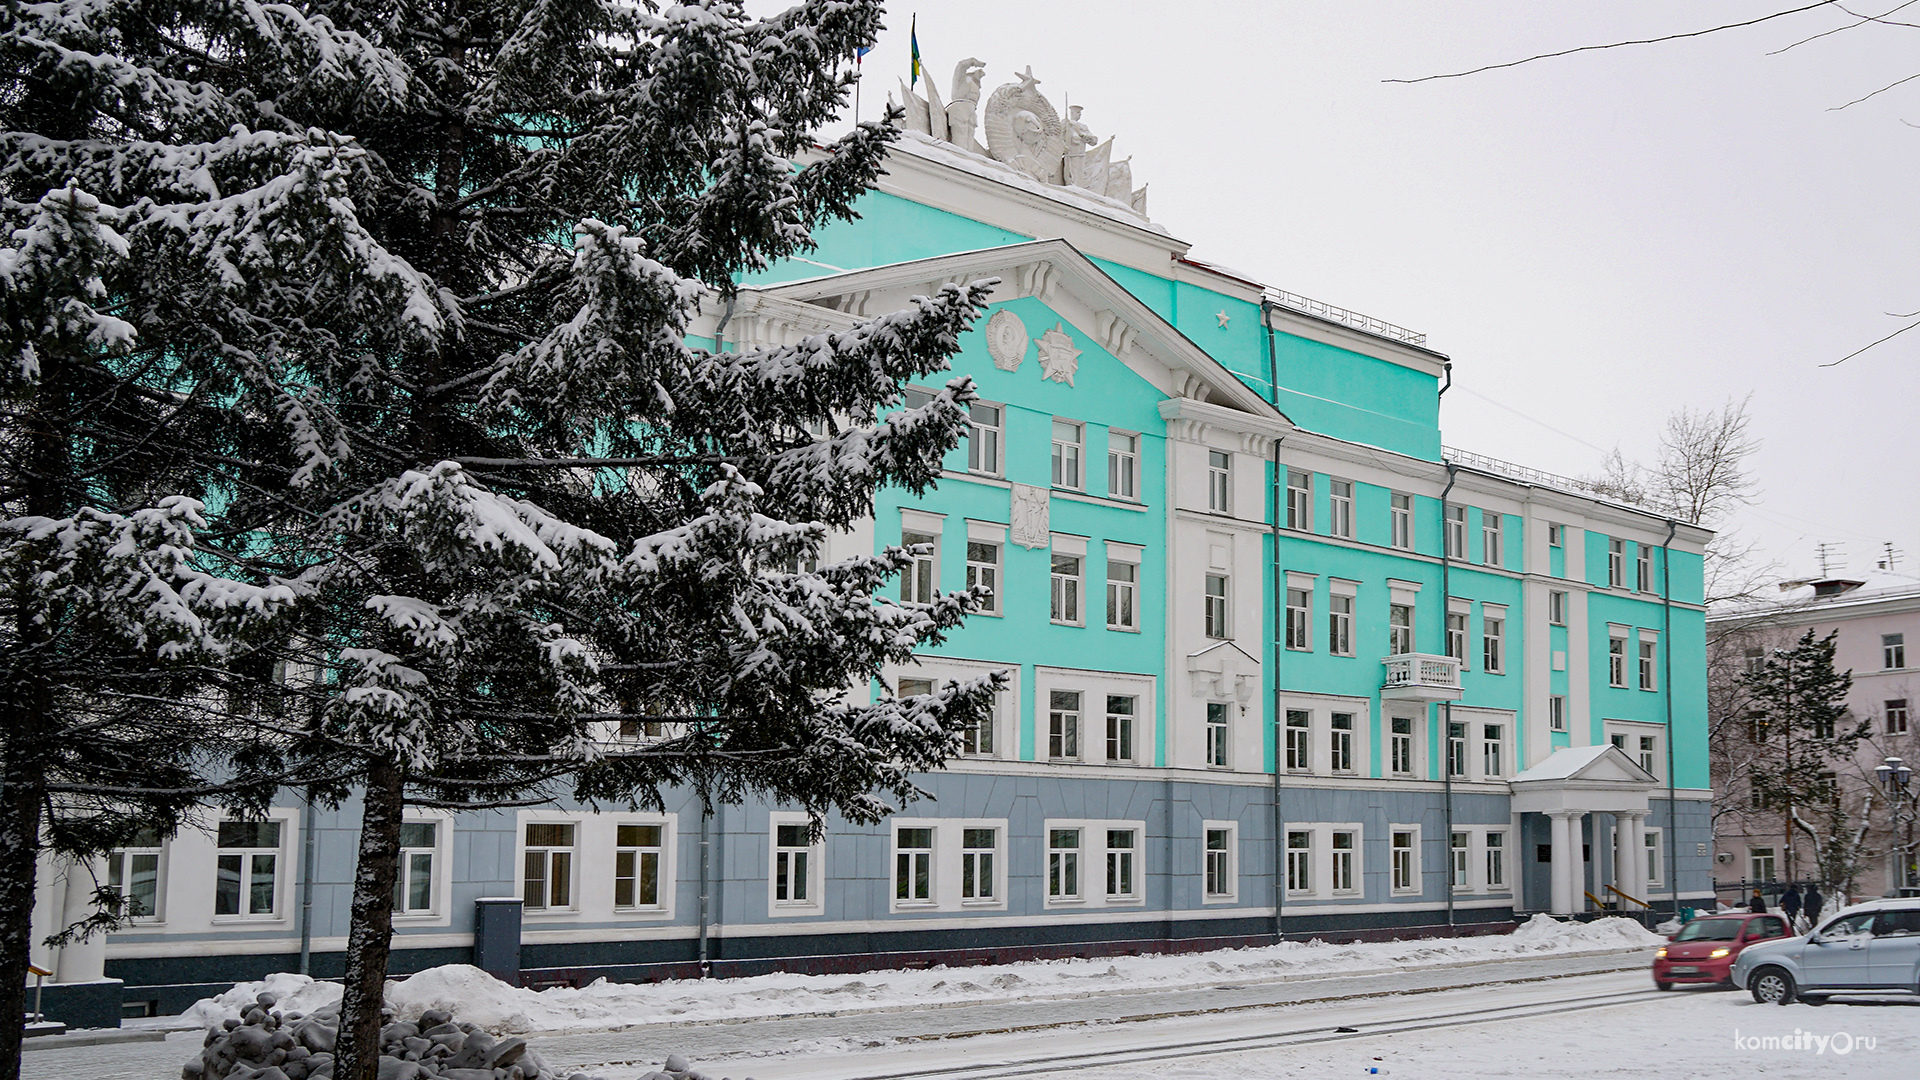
(1718, 953)
(1662, 954)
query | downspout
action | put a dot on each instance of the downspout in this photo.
(1279, 714)
(706, 849)
(720, 328)
(1666, 685)
(306, 887)
(1446, 707)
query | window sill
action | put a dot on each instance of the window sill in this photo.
(1298, 649)
(1123, 629)
(642, 912)
(1222, 899)
(250, 920)
(916, 905)
(1059, 622)
(1125, 901)
(984, 902)
(1066, 901)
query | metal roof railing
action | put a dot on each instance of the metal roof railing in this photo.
(1320, 309)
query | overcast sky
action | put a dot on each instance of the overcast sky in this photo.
(1596, 240)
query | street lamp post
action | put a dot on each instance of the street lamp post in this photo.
(1896, 777)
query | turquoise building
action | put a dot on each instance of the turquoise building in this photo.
(1280, 663)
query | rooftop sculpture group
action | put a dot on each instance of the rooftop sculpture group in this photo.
(1025, 132)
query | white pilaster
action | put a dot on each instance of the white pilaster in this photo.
(1563, 854)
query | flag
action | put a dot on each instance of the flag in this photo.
(860, 53)
(913, 36)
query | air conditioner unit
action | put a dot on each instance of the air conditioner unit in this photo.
(1725, 857)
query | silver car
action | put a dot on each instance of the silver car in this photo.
(1873, 948)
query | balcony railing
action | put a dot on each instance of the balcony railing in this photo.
(1422, 676)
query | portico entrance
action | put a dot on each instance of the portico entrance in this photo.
(1570, 784)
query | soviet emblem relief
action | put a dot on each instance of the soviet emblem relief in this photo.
(1006, 340)
(1058, 358)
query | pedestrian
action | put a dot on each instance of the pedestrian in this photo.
(1758, 905)
(1811, 904)
(1790, 903)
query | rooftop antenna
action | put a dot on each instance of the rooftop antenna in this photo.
(1830, 555)
(1890, 556)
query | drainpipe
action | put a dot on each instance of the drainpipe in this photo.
(1279, 713)
(1273, 360)
(1448, 368)
(306, 886)
(720, 328)
(1446, 707)
(706, 848)
(1666, 685)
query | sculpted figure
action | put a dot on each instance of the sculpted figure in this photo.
(1079, 137)
(963, 102)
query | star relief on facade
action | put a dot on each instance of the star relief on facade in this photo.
(1059, 360)
(1025, 132)
(1006, 340)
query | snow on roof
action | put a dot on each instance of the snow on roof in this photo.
(932, 149)
(1826, 592)
(1564, 763)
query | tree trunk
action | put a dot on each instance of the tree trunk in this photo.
(19, 863)
(357, 1053)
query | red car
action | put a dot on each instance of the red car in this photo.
(1704, 949)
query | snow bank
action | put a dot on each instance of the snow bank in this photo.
(292, 993)
(478, 998)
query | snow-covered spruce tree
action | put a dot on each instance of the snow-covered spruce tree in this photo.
(1797, 705)
(522, 509)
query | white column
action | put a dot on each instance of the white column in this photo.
(1563, 852)
(1576, 865)
(81, 961)
(1637, 843)
(1625, 835)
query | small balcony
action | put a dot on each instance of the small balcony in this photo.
(1421, 677)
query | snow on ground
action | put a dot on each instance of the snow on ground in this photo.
(475, 997)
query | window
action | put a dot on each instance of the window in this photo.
(917, 581)
(1299, 730)
(1650, 849)
(1216, 606)
(1220, 862)
(1401, 521)
(1490, 537)
(413, 881)
(1617, 660)
(1299, 500)
(1399, 629)
(1120, 584)
(906, 688)
(986, 428)
(636, 865)
(983, 571)
(1556, 535)
(1643, 569)
(1760, 864)
(248, 868)
(1340, 508)
(1456, 749)
(1649, 756)
(792, 864)
(1457, 635)
(1557, 713)
(1493, 749)
(913, 865)
(1403, 865)
(1556, 607)
(1123, 465)
(1893, 650)
(1458, 851)
(1066, 453)
(1219, 482)
(1063, 724)
(548, 883)
(1496, 860)
(1493, 640)
(1298, 610)
(1066, 589)
(1400, 746)
(134, 872)
(1646, 664)
(1456, 532)
(977, 739)
(1756, 660)
(977, 848)
(1063, 864)
(1897, 716)
(1616, 564)
(1119, 727)
(1340, 625)
(1340, 742)
(1299, 861)
(1120, 859)
(1342, 868)
(1218, 734)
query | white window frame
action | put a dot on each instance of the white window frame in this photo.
(1413, 746)
(1647, 660)
(1491, 538)
(1065, 723)
(812, 880)
(1093, 687)
(988, 572)
(1341, 597)
(1217, 609)
(1495, 854)
(1127, 590)
(1340, 508)
(1495, 749)
(1065, 876)
(1400, 519)
(1091, 861)
(1123, 465)
(1765, 856)
(986, 441)
(1457, 749)
(1616, 563)
(1299, 622)
(1401, 638)
(1219, 481)
(920, 580)
(1459, 623)
(1557, 712)
(1121, 873)
(1460, 859)
(1121, 737)
(247, 856)
(1617, 656)
(1300, 859)
(663, 863)
(996, 867)
(1412, 877)
(1653, 850)
(1069, 462)
(1299, 741)
(1067, 576)
(1219, 732)
(525, 847)
(912, 866)
(1643, 568)
(1556, 535)
(1455, 531)
(1556, 607)
(1493, 639)
(1628, 735)
(1897, 715)
(1342, 743)
(120, 874)
(405, 867)
(1299, 500)
(1208, 873)
(1347, 879)
(1893, 652)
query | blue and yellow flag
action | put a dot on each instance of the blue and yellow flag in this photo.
(913, 36)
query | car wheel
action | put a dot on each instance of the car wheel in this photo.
(1772, 986)
(1660, 984)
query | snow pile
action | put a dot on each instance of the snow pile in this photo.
(480, 999)
(293, 993)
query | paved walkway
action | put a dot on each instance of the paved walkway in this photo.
(703, 1042)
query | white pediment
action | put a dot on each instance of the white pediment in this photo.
(1077, 291)
(1592, 778)
(1223, 671)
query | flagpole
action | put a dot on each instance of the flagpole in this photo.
(858, 71)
